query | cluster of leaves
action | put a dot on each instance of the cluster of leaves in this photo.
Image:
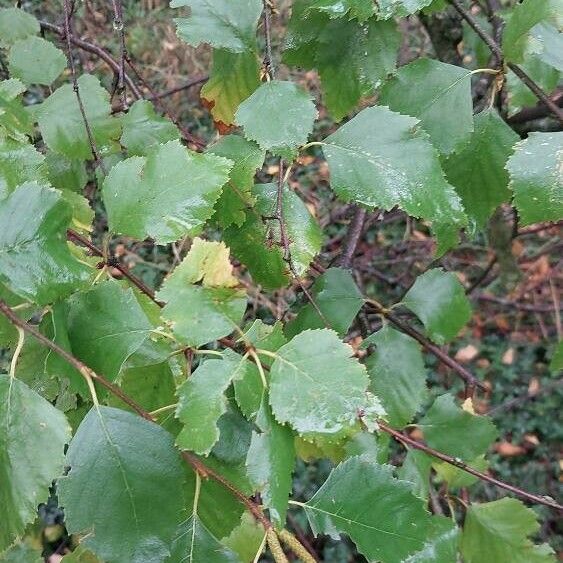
(274, 393)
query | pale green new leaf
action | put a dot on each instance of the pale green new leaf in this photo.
(33, 435)
(270, 462)
(498, 531)
(35, 260)
(316, 385)
(536, 177)
(477, 168)
(201, 313)
(236, 196)
(397, 374)
(196, 544)
(362, 499)
(438, 94)
(19, 163)
(16, 24)
(439, 301)
(524, 17)
(246, 538)
(124, 487)
(166, 195)
(382, 159)
(337, 296)
(279, 116)
(455, 431)
(36, 61)
(352, 58)
(144, 129)
(222, 23)
(256, 243)
(202, 401)
(233, 78)
(62, 125)
(455, 477)
(116, 328)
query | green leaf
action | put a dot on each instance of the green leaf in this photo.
(15, 120)
(256, 243)
(354, 9)
(233, 78)
(397, 527)
(535, 177)
(442, 544)
(62, 125)
(524, 17)
(352, 58)
(19, 163)
(477, 168)
(33, 435)
(36, 61)
(201, 313)
(221, 23)
(456, 477)
(397, 374)
(400, 8)
(116, 327)
(35, 261)
(381, 159)
(195, 543)
(547, 42)
(66, 174)
(438, 94)
(124, 484)
(439, 301)
(246, 538)
(22, 553)
(446, 428)
(339, 299)
(316, 385)
(236, 196)
(556, 364)
(144, 129)
(270, 463)
(16, 24)
(201, 401)
(498, 531)
(279, 116)
(166, 195)
(416, 469)
(80, 555)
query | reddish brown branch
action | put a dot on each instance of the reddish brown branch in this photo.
(352, 238)
(406, 440)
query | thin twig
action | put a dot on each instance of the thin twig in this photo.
(119, 26)
(404, 439)
(352, 238)
(497, 51)
(191, 83)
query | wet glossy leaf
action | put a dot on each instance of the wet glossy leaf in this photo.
(135, 464)
(33, 435)
(144, 129)
(477, 167)
(535, 177)
(337, 296)
(316, 385)
(500, 530)
(166, 195)
(358, 9)
(397, 374)
(438, 94)
(442, 544)
(36, 61)
(399, 8)
(35, 261)
(381, 159)
(438, 300)
(62, 125)
(270, 463)
(447, 426)
(358, 483)
(279, 116)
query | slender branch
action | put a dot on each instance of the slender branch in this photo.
(536, 112)
(81, 367)
(91, 140)
(114, 263)
(497, 51)
(352, 238)
(119, 26)
(193, 82)
(95, 50)
(470, 380)
(406, 440)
